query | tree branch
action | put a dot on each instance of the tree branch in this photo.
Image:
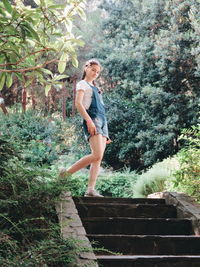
(32, 68)
(22, 59)
(9, 35)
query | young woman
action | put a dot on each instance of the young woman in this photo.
(90, 105)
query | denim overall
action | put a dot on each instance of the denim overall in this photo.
(97, 113)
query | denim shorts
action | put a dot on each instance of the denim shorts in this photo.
(101, 125)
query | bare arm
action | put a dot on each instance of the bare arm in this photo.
(81, 109)
(79, 105)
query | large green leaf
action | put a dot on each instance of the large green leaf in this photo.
(57, 34)
(9, 80)
(60, 77)
(2, 13)
(47, 89)
(15, 50)
(56, 6)
(2, 80)
(10, 29)
(32, 31)
(68, 24)
(19, 76)
(81, 13)
(74, 61)
(47, 71)
(8, 6)
(15, 14)
(62, 62)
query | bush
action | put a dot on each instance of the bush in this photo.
(152, 68)
(40, 139)
(29, 228)
(187, 179)
(156, 179)
(110, 184)
(117, 184)
(124, 183)
(142, 134)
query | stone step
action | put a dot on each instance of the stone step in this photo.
(126, 210)
(119, 200)
(137, 226)
(147, 245)
(149, 261)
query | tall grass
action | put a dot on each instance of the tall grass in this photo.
(157, 179)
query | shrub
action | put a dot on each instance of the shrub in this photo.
(187, 179)
(29, 228)
(40, 139)
(117, 184)
(142, 135)
(156, 179)
(110, 184)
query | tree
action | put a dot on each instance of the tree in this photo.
(33, 38)
(151, 59)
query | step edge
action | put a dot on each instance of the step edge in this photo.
(127, 204)
(118, 198)
(134, 219)
(145, 236)
(128, 256)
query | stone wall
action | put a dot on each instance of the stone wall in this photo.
(71, 226)
(186, 206)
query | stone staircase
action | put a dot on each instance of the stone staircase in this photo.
(141, 233)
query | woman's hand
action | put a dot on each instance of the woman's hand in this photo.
(91, 127)
(108, 141)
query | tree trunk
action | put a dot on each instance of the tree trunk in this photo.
(24, 101)
(33, 95)
(74, 97)
(63, 102)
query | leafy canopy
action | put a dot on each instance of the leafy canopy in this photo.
(149, 51)
(33, 38)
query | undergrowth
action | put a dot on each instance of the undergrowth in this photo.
(187, 178)
(29, 228)
(40, 139)
(156, 179)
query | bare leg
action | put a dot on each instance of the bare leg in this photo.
(98, 145)
(96, 155)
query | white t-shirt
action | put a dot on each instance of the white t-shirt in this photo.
(87, 98)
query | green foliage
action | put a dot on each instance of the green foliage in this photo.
(30, 233)
(145, 129)
(156, 179)
(5, 153)
(32, 38)
(117, 184)
(126, 183)
(40, 139)
(53, 252)
(110, 184)
(150, 58)
(78, 183)
(187, 179)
